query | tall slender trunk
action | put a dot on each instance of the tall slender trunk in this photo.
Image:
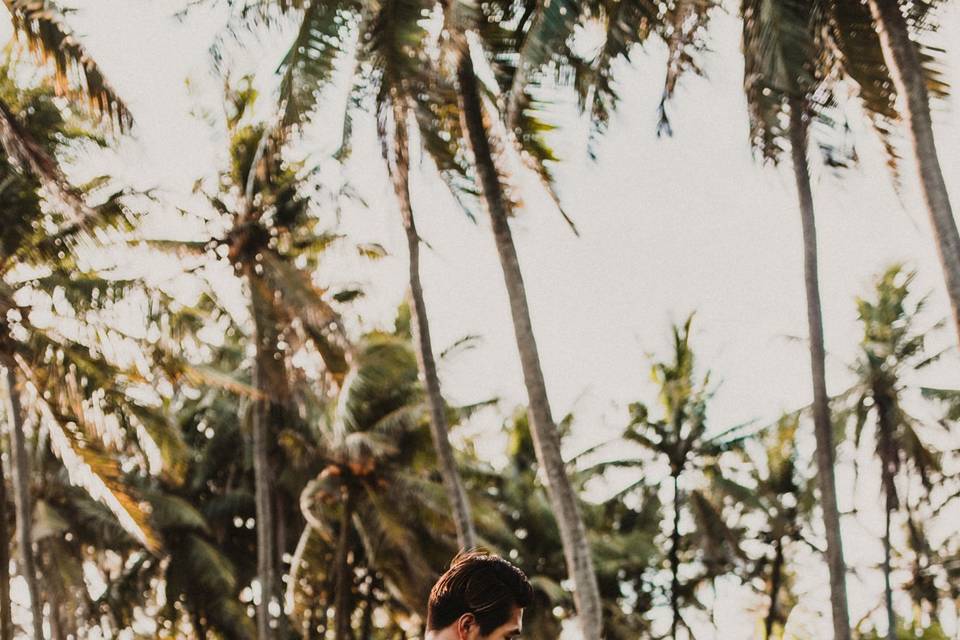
(62, 613)
(546, 439)
(776, 580)
(369, 604)
(823, 428)
(262, 471)
(56, 628)
(307, 622)
(343, 599)
(674, 560)
(280, 536)
(266, 571)
(900, 54)
(6, 621)
(887, 587)
(22, 500)
(457, 496)
(57, 624)
(887, 448)
(324, 622)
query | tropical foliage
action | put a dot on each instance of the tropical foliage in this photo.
(238, 451)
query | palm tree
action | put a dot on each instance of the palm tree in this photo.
(908, 61)
(391, 64)
(513, 515)
(47, 36)
(542, 20)
(70, 387)
(794, 54)
(42, 28)
(373, 499)
(892, 348)
(22, 500)
(778, 500)
(195, 568)
(326, 34)
(680, 439)
(273, 241)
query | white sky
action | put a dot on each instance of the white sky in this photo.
(667, 226)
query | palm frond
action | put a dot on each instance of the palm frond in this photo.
(544, 42)
(853, 48)
(20, 146)
(779, 63)
(683, 28)
(309, 65)
(625, 24)
(94, 469)
(78, 76)
(438, 120)
(198, 567)
(304, 301)
(169, 511)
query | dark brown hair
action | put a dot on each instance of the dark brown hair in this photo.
(480, 583)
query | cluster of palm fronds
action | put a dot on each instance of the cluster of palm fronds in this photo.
(210, 468)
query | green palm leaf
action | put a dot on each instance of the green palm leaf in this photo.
(308, 67)
(73, 440)
(78, 76)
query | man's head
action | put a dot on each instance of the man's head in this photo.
(480, 597)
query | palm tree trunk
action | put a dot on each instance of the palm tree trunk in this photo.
(266, 571)
(57, 631)
(776, 580)
(400, 176)
(293, 578)
(887, 587)
(62, 617)
(22, 500)
(6, 621)
(889, 456)
(823, 429)
(674, 560)
(369, 604)
(280, 535)
(262, 471)
(343, 600)
(546, 438)
(901, 56)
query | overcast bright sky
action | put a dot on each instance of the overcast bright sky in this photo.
(667, 226)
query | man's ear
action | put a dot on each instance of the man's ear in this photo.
(465, 625)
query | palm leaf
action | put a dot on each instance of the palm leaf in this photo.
(542, 43)
(779, 63)
(20, 146)
(302, 300)
(92, 468)
(308, 67)
(78, 76)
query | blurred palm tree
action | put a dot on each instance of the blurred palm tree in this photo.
(374, 508)
(393, 71)
(267, 229)
(513, 512)
(892, 350)
(913, 71)
(795, 54)
(776, 499)
(62, 374)
(681, 439)
(40, 25)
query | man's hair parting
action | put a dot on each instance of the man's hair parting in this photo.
(480, 583)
